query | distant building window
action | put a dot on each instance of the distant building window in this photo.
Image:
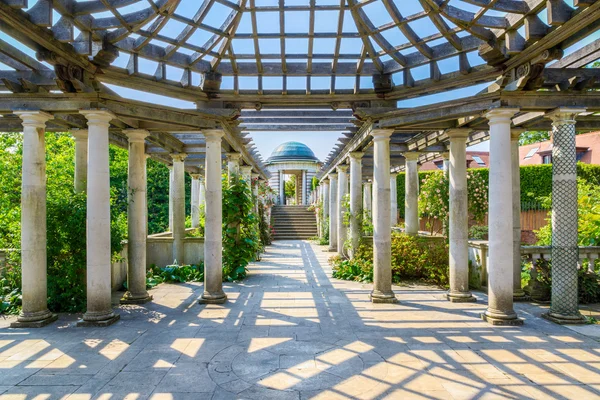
(478, 160)
(531, 153)
(439, 164)
(580, 155)
(547, 159)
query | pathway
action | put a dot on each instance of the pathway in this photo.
(291, 332)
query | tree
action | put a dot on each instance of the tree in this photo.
(290, 187)
(531, 137)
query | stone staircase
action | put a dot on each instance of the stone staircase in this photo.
(293, 222)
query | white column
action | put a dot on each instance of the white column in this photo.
(565, 251)
(518, 293)
(446, 162)
(459, 218)
(367, 200)
(254, 185)
(81, 155)
(382, 226)
(500, 280)
(178, 207)
(171, 188)
(394, 198)
(201, 196)
(333, 211)
(195, 200)
(246, 172)
(136, 219)
(213, 241)
(411, 186)
(99, 309)
(356, 207)
(233, 164)
(342, 190)
(281, 188)
(304, 188)
(325, 184)
(34, 313)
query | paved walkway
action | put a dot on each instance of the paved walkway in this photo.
(292, 332)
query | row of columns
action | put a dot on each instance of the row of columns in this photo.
(302, 188)
(504, 284)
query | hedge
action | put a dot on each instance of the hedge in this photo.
(536, 182)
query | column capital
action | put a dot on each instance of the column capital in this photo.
(368, 183)
(445, 155)
(333, 175)
(247, 169)
(34, 118)
(381, 134)
(79, 134)
(325, 181)
(233, 156)
(459, 133)
(342, 168)
(393, 174)
(411, 155)
(178, 157)
(515, 134)
(213, 134)
(356, 155)
(98, 117)
(136, 135)
(564, 115)
(502, 114)
(195, 176)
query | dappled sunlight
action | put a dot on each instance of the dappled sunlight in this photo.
(291, 328)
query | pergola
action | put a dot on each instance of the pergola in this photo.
(266, 65)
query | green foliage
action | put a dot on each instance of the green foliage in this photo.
(434, 199)
(10, 290)
(241, 241)
(478, 232)
(413, 258)
(314, 183)
(588, 203)
(174, 274)
(290, 187)
(531, 137)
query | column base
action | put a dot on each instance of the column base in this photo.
(520, 296)
(213, 298)
(565, 319)
(501, 320)
(34, 324)
(461, 297)
(380, 297)
(128, 298)
(83, 323)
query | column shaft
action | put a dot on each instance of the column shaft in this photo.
(81, 156)
(382, 227)
(178, 208)
(195, 199)
(34, 312)
(459, 218)
(233, 164)
(342, 190)
(99, 308)
(518, 293)
(367, 200)
(201, 196)
(136, 220)
(393, 199)
(411, 185)
(171, 191)
(565, 251)
(500, 280)
(213, 241)
(325, 227)
(333, 211)
(304, 188)
(356, 206)
(281, 188)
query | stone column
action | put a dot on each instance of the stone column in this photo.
(565, 252)
(382, 226)
(201, 195)
(99, 309)
(394, 198)
(195, 199)
(356, 207)
(333, 211)
(325, 184)
(81, 159)
(254, 178)
(213, 241)
(178, 207)
(342, 190)
(246, 172)
(459, 218)
(367, 200)
(411, 202)
(136, 219)
(500, 280)
(446, 162)
(34, 313)
(171, 185)
(304, 188)
(518, 293)
(281, 188)
(233, 164)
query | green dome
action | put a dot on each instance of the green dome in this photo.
(292, 151)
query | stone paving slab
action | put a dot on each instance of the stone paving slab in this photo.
(290, 331)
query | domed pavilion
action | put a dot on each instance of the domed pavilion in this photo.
(298, 160)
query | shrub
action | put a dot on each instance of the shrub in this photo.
(174, 274)
(478, 232)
